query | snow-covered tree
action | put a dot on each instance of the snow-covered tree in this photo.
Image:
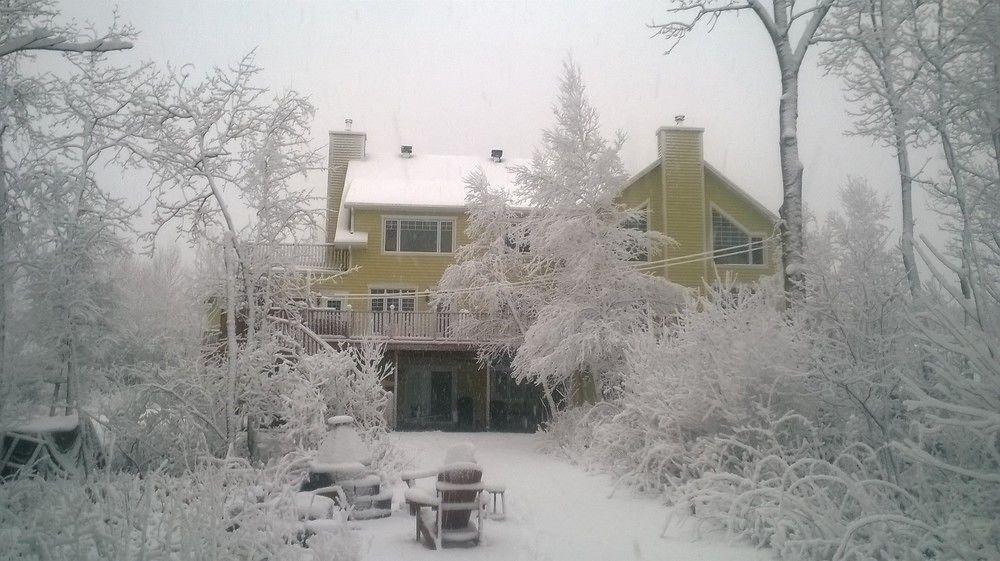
(494, 274)
(77, 228)
(577, 236)
(220, 142)
(870, 47)
(28, 27)
(855, 319)
(791, 29)
(560, 267)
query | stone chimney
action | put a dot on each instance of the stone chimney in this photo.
(683, 172)
(345, 145)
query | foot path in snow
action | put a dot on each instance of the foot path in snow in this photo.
(555, 512)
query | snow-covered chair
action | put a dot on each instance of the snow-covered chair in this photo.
(445, 517)
(341, 470)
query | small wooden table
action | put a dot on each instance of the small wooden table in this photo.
(497, 490)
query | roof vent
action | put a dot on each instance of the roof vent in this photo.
(679, 119)
(496, 154)
(406, 151)
(347, 124)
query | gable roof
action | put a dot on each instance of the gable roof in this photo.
(422, 180)
(740, 192)
(726, 182)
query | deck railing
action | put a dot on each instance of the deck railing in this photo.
(394, 326)
(321, 256)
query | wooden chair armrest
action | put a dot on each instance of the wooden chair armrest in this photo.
(421, 498)
(409, 477)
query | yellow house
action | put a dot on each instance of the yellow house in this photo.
(395, 221)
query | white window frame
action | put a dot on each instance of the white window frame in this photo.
(409, 288)
(438, 219)
(336, 297)
(750, 235)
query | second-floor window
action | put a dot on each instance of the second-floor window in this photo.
(733, 246)
(419, 235)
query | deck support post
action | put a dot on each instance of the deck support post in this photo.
(489, 376)
(395, 390)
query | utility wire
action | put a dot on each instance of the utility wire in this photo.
(644, 266)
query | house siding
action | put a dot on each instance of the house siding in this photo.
(380, 269)
(645, 189)
(679, 192)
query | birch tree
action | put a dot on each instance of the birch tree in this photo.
(870, 49)
(791, 29)
(960, 108)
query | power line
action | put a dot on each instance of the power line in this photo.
(645, 266)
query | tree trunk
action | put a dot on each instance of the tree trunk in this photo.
(906, 199)
(791, 177)
(232, 347)
(4, 265)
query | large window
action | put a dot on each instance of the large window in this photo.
(393, 299)
(640, 222)
(732, 245)
(419, 235)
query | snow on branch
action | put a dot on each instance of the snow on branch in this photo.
(47, 40)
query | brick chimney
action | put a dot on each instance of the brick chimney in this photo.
(345, 145)
(683, 173)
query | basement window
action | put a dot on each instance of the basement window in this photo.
(734, 246)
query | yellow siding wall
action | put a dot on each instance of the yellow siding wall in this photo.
(379, 269)
(646, 187)
(645, 190)
(685, 205)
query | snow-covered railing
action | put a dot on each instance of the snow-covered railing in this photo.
(320, 256)
(310, 341)
(394, 326)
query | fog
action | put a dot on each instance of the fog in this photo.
(462, 78)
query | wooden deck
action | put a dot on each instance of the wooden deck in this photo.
(306, 256)
(399, 330)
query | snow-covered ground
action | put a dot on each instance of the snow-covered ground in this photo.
(555, 511)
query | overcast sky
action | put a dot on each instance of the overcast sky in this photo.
(464, 77)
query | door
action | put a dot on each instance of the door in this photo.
(442, 395)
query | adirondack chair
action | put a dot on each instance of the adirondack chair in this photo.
(446, 516)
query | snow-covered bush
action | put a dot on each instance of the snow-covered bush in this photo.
(222, 509)
(857, 424)
(727, 358)
(854, 315)
(770, 484)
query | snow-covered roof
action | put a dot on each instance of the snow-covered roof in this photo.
(422, 180)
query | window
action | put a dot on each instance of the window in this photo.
(640, 222)
(419, 235)
(733, 246)
(334, 304)
(393, 299)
